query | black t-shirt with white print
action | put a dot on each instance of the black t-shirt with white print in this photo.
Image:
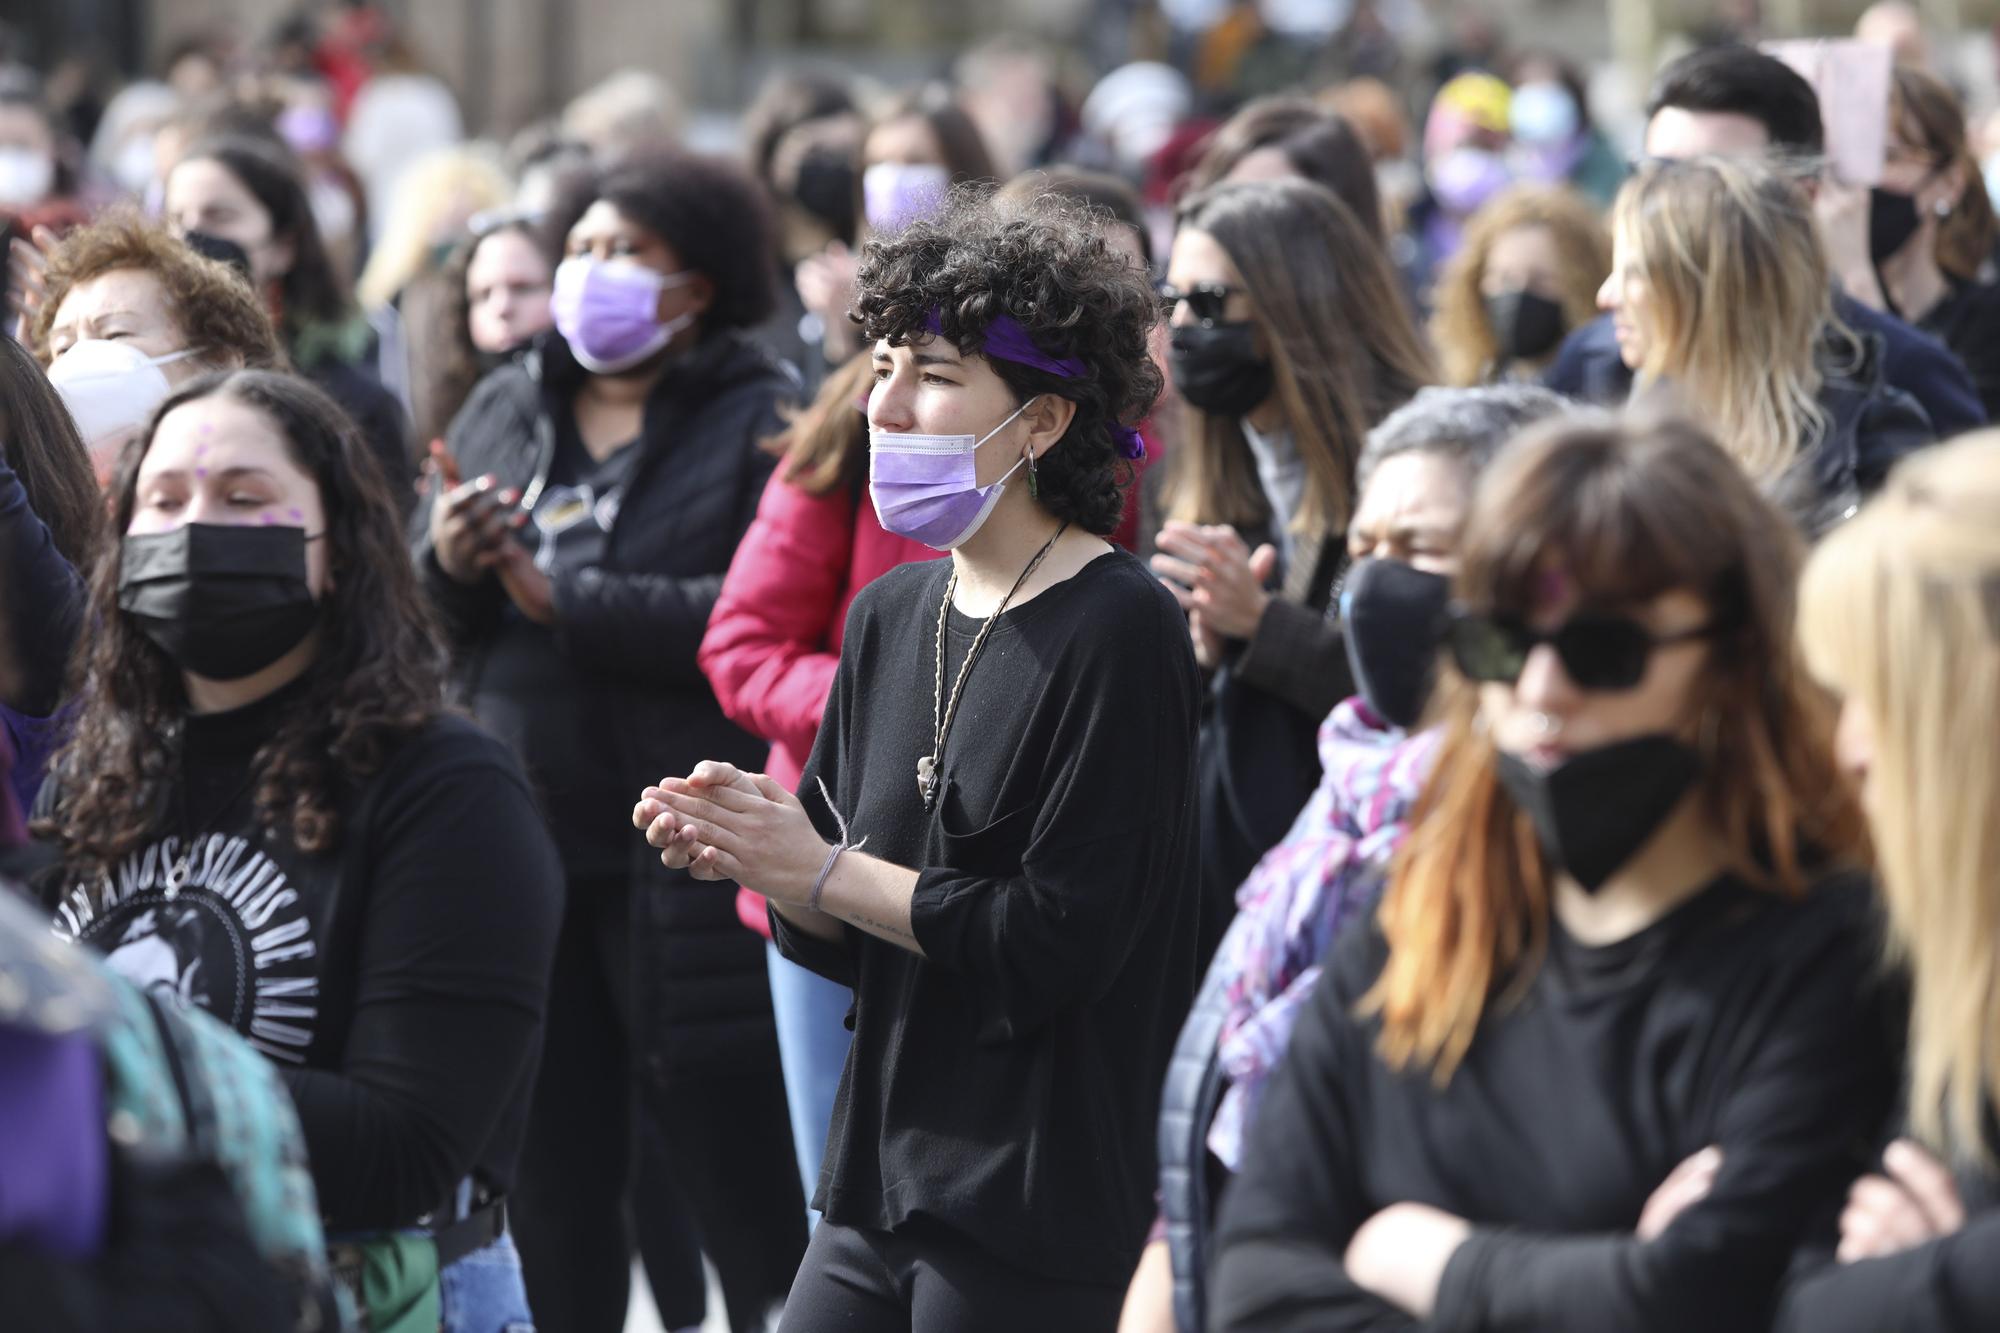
(399, 981)
(215, 912)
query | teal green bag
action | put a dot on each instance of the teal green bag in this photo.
(394, 1279)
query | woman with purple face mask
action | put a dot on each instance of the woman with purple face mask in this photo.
(993, 843)
(590, 496)
(921, 147)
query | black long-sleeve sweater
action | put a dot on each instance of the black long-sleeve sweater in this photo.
(398, 983)
(1005, 1083)
(1739, 1020)
(1951, 1285)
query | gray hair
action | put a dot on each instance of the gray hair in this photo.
(1467, 426)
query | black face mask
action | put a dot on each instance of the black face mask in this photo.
(825, 188)
(222, 601)
(1217, 369)
(1594, 811)
(1393, 614)
(1527, 325)
(1892, 221)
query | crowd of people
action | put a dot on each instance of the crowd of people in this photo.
(1158, 714)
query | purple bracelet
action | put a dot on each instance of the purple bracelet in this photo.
(826, 871)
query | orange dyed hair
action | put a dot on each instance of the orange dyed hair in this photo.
(1631, 511)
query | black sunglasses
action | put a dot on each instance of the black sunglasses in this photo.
(1600, 652)
(1205, 301)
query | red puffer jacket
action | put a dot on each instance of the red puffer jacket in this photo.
(773, 640)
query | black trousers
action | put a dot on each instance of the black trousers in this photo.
(605, 1169)
(922, 1278)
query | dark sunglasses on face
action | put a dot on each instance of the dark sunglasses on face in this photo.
(1205, 301)
(1600, 652)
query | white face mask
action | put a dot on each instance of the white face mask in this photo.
(111, 387)
(26, 176)
(132, 167)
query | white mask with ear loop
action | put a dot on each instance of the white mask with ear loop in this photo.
(111, 387)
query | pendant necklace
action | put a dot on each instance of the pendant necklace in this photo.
(942, 712)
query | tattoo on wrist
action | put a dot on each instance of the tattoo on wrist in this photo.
(882, 926)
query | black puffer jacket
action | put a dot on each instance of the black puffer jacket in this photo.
(1870, 426)
(1188, 1175)
(628, 628)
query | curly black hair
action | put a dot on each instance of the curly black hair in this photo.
(378, 678)
(1045, 263)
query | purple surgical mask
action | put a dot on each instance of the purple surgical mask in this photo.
(895, 194)
(1465, 178)
(926, 487)
(308, 129)
(608, 312)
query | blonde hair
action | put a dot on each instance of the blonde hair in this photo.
(1738, 294)
(1460, 330)
(433, 200)
(1900, 611)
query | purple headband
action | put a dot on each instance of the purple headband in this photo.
(1007, 340)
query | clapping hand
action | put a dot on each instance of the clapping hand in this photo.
(1209, 570)
(722, 823)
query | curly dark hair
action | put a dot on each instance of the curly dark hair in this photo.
(378, 677)
(1043, 262)
(708, 209)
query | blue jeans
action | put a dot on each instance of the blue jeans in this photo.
(482, 1293)
(812, 1042)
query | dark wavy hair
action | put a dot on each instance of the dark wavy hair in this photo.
(378, 677)
(1044, 263)
(39, 441)
(716, 218)
(311, 291)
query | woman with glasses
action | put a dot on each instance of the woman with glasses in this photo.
(1603, 1055)
(1290, 341)
(591, 497)
(1416, 481)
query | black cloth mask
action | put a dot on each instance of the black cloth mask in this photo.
(1393, 614)
(827, 189)
(1526, 324)
(1892, 221)
(1594, 811)
(222, 601)
(1217, 369)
